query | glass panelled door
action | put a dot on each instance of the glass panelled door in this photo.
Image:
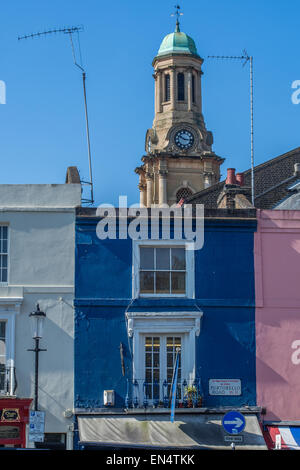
(172, 343)
(159, 361)
(152, 366)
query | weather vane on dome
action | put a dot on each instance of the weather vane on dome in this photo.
(178, 14)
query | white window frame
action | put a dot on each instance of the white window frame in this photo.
(5, 350)
(190, 267)
(10, 307)
(10, 319)
(184, 324)
(6, 283)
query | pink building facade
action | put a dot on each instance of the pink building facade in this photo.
(277, 286)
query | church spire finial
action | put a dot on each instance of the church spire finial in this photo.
(177, 14)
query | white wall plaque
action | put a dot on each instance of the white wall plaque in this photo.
(235, 439)
(225, 387)
(36, 426)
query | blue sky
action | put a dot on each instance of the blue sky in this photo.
(42, 125)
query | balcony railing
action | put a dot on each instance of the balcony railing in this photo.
(7, 380)
(141, 394)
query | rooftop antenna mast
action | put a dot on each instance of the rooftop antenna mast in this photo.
(177, 13)
(246, 58)
(70, 31)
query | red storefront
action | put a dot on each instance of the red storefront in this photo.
(14, 415)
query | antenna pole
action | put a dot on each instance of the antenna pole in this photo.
(252, 130)
(71, 31)
(86, 117)
(88, 136)
(249, 59)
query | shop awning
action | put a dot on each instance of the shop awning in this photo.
(289, 437)
(201, 431)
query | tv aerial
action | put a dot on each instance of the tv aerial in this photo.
(246, 58)
(70, 31)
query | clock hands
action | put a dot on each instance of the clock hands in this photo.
(184, 139)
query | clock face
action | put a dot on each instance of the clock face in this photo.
(184, 139)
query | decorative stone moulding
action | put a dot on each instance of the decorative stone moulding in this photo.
(162, 322)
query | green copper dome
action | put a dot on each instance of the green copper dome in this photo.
(177, 43)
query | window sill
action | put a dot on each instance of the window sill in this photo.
(163, 296)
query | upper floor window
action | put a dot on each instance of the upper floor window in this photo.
(167, 87)
(180, 87)
(162, 270)
(3, 253)
(8, 383)
(193, 88)
(183, 194)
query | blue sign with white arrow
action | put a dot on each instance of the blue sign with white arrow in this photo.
(234, 422)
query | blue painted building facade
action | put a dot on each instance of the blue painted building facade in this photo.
(213, 318)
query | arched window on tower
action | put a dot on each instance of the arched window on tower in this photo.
(183, 194)
(167, 87)
(193, 88)
(180, 87)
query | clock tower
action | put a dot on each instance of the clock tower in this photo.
(179, 160)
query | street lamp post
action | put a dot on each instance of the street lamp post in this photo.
(37, 322)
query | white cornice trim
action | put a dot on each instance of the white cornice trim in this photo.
(49, 289)
(14, 304)
(164, 322)
(180, 314)
(36, 209)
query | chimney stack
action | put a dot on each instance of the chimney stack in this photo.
(235, 195)
(230, 176)
(240, 179)
(297, 169)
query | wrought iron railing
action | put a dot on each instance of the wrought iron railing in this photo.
(141, 394)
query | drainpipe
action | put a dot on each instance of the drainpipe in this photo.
(70, 437)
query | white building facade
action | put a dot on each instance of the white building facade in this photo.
(37, 257)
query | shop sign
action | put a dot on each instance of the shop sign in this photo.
(230, 387)
(9, 432)
(10, 414)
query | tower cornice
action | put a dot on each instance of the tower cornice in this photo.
(169, 56)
